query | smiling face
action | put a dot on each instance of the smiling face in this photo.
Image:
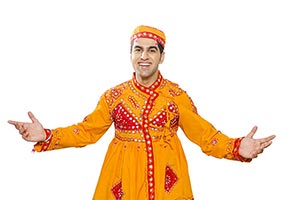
(145, 58)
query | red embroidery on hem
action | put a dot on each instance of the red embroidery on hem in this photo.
(117, 191)
(170, 179)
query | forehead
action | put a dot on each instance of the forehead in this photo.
(144, 42)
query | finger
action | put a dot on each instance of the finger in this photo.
(254, 155)
(252, 132)
(267, 139)
(266, 144)
(16, 124)
(271, 137)
(21, 129)
(25, 135)
(12, 122)
(260, 151)
(32, 117)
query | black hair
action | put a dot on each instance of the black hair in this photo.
(161, 48)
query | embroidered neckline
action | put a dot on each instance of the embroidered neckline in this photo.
(148, 90)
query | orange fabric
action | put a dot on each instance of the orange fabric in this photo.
(149, 32)
(146, 157)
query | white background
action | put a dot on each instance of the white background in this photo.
(238, 60)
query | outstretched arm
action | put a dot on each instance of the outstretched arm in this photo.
(31, 132)
(250, 147)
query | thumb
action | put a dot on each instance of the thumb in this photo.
(32, 117)
(252, 132)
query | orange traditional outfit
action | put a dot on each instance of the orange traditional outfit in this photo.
(145, 160)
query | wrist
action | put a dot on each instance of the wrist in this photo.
(236, 152)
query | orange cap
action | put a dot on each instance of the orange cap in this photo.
(149, 32)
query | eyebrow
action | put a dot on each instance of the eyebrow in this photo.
(150, 47)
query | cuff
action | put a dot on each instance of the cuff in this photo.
(43, 145)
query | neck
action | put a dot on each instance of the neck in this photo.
(147, 81)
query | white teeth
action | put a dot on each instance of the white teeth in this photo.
(143, 64)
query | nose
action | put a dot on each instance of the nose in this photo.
(144, 55)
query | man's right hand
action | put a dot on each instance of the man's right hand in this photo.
(31, 132)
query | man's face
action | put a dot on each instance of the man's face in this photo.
(145, 59)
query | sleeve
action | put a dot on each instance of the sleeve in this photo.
(201, 132)
(89, 131)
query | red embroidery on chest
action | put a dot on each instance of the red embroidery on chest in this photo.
(123, 120)
(160, 119)
(117, 191)
(170, 179)
(133, 102)
(174, 122)
(175, 93)
(172, 107)
(115, 93)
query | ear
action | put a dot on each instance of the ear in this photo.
(162, 58)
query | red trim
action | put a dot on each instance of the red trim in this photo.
(145, 127)
(149, 146)
(149, 35)
(48, 139)
(236, 148)
(148, 90)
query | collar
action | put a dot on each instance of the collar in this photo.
(148, 90)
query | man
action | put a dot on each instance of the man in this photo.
(145, 160)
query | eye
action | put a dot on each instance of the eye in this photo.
(153, 50)
(137, 50)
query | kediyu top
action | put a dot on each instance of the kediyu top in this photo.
(145, 159)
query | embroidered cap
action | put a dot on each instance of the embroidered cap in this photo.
(149, 32)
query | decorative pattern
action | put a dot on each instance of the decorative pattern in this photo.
(46, 143)
(145, 126)
(149, 147)
(148, 35)
(124, 120)
(173, 108)
(133, 102)
(112, 95)
(170, 179)
(194, 109)
(51, 142)
(117, 191)
(174, 122)
(159, 120)
(175, 93)
(76, 130)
